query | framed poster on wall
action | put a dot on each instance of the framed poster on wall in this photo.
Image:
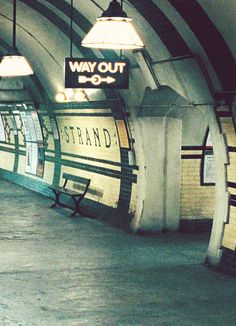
(209, 175)
(36, 125)
(34, 141)
(25, 124)
(208, 170)
(34, 159)
(2, 130)
(14, 125)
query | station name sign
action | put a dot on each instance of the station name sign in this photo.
(96, 73)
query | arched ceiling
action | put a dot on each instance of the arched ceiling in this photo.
(169, 28)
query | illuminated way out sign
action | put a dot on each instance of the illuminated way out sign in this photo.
(96, 73)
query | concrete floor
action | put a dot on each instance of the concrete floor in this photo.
(61, 271)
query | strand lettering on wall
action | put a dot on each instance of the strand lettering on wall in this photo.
(87, 136)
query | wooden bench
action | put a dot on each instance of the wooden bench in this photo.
(77, 196)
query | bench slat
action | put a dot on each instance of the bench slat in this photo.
(58, 188)
(75, 178)
(67, 191)
(72, 193)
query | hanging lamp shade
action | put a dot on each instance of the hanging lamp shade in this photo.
(14, 64)
(113, 30)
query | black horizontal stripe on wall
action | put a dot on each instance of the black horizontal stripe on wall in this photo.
(232, 202)
(232, 149)
(231, 184)
(211, 39)
(3, 142)
(233, 197)
(96, 169)
(192, 148)
(11, 150)
(191, 156)
(224, 114)
(162, 26)
(93, 159)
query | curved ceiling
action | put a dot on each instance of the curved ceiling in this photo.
(170, 28)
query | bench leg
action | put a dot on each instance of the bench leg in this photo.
(77, 208)
(57, 197)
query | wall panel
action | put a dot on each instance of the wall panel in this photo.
(89, 140)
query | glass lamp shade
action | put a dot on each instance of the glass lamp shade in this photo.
(60, 97)
(113, 33)
(15, 65)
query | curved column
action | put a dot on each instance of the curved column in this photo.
(221, 193)
(188, 80)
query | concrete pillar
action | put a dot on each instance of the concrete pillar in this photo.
(161, 139)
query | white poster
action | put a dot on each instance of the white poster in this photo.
(32, 131)
(28, 158)
(31, 126)
(37, 127)
(25, 126)
(2, 130)
(209, 169)
(31, 158)
(34, 158)
(14, 125)
(54, 128)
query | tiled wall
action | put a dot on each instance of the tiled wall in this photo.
(197, 201)
(99, 150)
(84, 140)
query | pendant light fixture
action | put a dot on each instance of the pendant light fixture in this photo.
(113, 30)
(71, 42)
(71, 27)
(14, 64)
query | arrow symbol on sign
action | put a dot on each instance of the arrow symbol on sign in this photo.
(96, 79)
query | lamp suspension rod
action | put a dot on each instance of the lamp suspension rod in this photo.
(71, 27)
(121, 5)
(14, 25)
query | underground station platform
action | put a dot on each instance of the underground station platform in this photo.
(59, 270)
(117, 163)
